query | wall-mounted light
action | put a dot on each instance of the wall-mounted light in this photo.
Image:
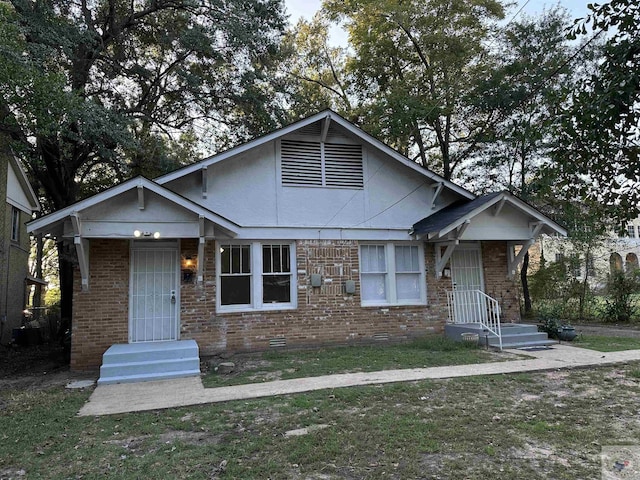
(446, 272)
(139, 233)
(188, 266)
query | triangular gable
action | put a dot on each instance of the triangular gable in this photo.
(30, 201)
(327, 115)
(140, 184)
(455, 219)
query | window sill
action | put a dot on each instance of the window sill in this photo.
(385, 305)
(250, 309)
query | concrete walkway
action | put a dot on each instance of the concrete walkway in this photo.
(136, 397)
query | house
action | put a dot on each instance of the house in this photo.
(314, 234)
(20, 202)
(616, 251)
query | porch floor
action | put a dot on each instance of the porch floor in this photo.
(140, 362)
(514, 335)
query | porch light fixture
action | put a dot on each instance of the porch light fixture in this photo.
(138, 234)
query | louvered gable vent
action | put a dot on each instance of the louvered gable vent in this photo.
(343, 165)
(301, 163)
(316, 164)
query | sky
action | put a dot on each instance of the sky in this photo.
(306, 8)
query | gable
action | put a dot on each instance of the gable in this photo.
(19, 192)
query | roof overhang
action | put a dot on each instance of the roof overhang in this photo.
(32, 198)
(327, 116)
(121, 210)
(496, 216)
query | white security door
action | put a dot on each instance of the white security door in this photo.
(466, 272)
(154, 294)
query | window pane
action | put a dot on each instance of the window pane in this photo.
(373, 258)
(235, 290)
(286, 259)
(408, 286)
(276, 288)
(246, 259)
(373, 287)
(407, 259)
(225, 258)
(267, 266)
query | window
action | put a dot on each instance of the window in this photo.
(276, 274)
(559, 257)
(256, 276)
(321, 164)
(576, 269)
(15, 224)
(392, 274)
(631, 231)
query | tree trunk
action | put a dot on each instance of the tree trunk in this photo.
(66, 264)
(525, 284)
(37, 292)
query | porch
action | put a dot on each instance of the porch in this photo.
(474, 312)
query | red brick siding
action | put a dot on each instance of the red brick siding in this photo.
(324, 315)
(100, 315)
(497, 284)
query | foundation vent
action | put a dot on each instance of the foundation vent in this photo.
(381, 337)
(278, 342)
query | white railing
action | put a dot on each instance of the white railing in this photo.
(474, 306)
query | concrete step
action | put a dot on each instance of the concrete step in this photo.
(516, 328)
(519, 338)
(539, 343)
(138, 362)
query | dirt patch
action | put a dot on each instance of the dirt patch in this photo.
(36, 367)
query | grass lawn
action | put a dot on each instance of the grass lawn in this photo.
(607, 343)
(431, 351)
(536, 426)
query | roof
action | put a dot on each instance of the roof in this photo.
(326, 114)
(60, 215)
(454, 215)
(24, 182)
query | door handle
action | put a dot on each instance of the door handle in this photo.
(173, 296)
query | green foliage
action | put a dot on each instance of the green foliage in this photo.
(597, 144)
(621, 304)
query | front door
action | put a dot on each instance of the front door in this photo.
(467, 277)
(154, 293)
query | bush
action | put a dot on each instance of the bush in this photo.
(620, 301)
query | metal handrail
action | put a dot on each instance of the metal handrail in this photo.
(475, 306)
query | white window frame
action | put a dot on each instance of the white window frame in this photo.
(390, 276)
(631, 231)
(255, 257)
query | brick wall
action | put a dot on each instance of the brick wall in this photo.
(496, 282)
(101, 314)
(325, 314)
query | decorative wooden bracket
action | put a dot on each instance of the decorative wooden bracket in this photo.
(82, 250)
(437, 188)
(325, 128)
(535, 228)
(443, 258)
(498, 207)
(140, 197)
(514, 261)
(204, 181)
(201, 243)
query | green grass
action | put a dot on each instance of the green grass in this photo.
(603, 343)
(429, 351)
(548, 425)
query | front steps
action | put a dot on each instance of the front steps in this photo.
(141, 362)
(514, 335)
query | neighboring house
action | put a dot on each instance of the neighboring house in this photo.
(20, 202)
(314, 234)
(618, 251)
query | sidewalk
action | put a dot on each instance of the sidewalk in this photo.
(136, 397)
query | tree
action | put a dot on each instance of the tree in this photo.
(598, 134)
(413, 64)
(319, 79)
(530, 78)
(97, 90)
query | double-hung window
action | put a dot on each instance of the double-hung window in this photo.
(392, 274)
(256, 276)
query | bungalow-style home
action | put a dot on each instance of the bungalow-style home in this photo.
(20, 202)
(314, 234)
